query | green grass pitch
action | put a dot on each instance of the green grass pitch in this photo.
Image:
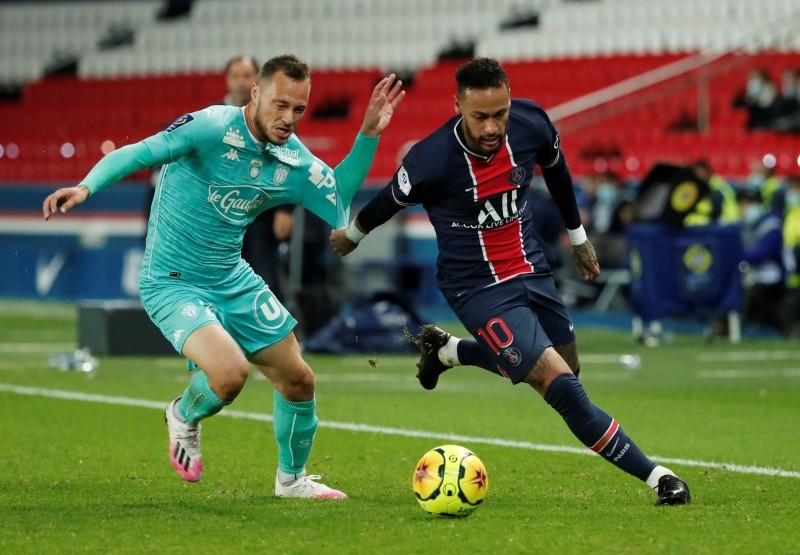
(84, 467)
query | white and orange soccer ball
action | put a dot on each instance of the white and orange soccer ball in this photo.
(450, 481)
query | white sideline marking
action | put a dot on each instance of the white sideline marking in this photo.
(352, 427)
(756, 373)
(748, 356)
(36, 347)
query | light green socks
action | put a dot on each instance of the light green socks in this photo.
(199, 401)
(295, 425)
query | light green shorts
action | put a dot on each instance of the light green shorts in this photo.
(244, 306)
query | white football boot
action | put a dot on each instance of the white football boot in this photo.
(306, 487)
(184, 446)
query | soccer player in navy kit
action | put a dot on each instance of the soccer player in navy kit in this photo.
(471, 175)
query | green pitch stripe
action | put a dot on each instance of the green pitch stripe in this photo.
(353, 427)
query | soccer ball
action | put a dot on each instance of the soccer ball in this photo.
(450, 481)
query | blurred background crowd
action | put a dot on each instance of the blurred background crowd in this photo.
(712, 87)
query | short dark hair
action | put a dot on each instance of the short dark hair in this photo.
(291, 65)
(480, 73)
(247, 59)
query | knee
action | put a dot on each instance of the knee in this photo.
(229, 382)
(297, 384)
(569, 353)
(549, 366)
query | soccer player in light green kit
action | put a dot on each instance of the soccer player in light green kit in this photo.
(222, 166)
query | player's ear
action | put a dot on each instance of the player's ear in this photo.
(456, 104)
(254, 90)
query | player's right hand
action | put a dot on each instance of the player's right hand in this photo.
(64, 199)
(340, 243)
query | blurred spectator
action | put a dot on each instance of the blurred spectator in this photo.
(763, 179)
(547, 222)
(265, 245)
(609, 206)
(787, 118)
(240, 74)
(791, 258)
(762, 261)
(720, 205)
(760, 98)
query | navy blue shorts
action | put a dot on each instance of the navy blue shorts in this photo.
(515, 321)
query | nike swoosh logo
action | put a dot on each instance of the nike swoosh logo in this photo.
(611, 451)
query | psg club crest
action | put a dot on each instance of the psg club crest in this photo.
(512, 355)
(517, 175)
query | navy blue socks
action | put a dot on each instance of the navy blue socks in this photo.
(595, 429)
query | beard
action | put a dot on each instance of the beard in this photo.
(261, 133)
(475, 143)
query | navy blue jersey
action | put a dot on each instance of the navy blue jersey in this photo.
(478, 205)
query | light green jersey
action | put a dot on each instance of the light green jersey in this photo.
(217, 178)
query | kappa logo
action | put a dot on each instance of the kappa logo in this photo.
(233, 137)
(176, 336)
(281, 173)
(232, 155)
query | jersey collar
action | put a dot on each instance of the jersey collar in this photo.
(462, 142)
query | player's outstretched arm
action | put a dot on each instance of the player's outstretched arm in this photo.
(64, 200)
(386, 95)
(110, 169)
(344, 240)
(586, 260)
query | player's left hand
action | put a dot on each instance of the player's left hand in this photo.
(340, 243)
(385, 97)
(586, 260)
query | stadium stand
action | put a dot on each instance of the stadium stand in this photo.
(587, 62)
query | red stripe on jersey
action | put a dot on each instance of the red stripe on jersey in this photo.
(503, 250)
(491, 176)
(603, 441)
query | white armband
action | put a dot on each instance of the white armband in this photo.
(577, 236)
(353, 233)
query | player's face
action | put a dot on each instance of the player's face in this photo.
(485, 113)
(239, 79)
(280, 103)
